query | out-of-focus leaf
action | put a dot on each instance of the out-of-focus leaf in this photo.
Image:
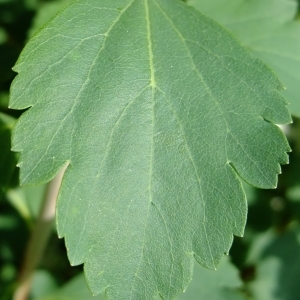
(43, 284)
(7, 272)
(293, 193)
(34, 196)
(222, 284)
(250, 193)
(75, 289)
(27, 201)
(13, 237)
(31, 4)
(3, 35)
(7, 222)
(4, 99)
(45, 12)
(18, 201)
(277, 261)
(8, 159)
(270, 29)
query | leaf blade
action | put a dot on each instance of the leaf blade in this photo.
(151, 136)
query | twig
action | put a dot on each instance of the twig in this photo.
(39, 238)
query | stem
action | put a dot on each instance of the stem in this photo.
(39, 238)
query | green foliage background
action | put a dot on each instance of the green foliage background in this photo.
(264, 264)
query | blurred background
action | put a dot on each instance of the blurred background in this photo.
(263, 265)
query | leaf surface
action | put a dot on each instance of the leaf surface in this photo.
(156, 109)
(223, 284)
(270, 29)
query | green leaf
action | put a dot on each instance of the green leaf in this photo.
(156, 109)
(270, 30)
(223, 284)
(7, 158)
(43, 283)
(4, 99)
(3, 35)
(75, 289)
(27, 201)
(276, 257)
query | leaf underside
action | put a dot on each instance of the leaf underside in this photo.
(156, 109)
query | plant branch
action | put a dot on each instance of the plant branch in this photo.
(39, 238)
